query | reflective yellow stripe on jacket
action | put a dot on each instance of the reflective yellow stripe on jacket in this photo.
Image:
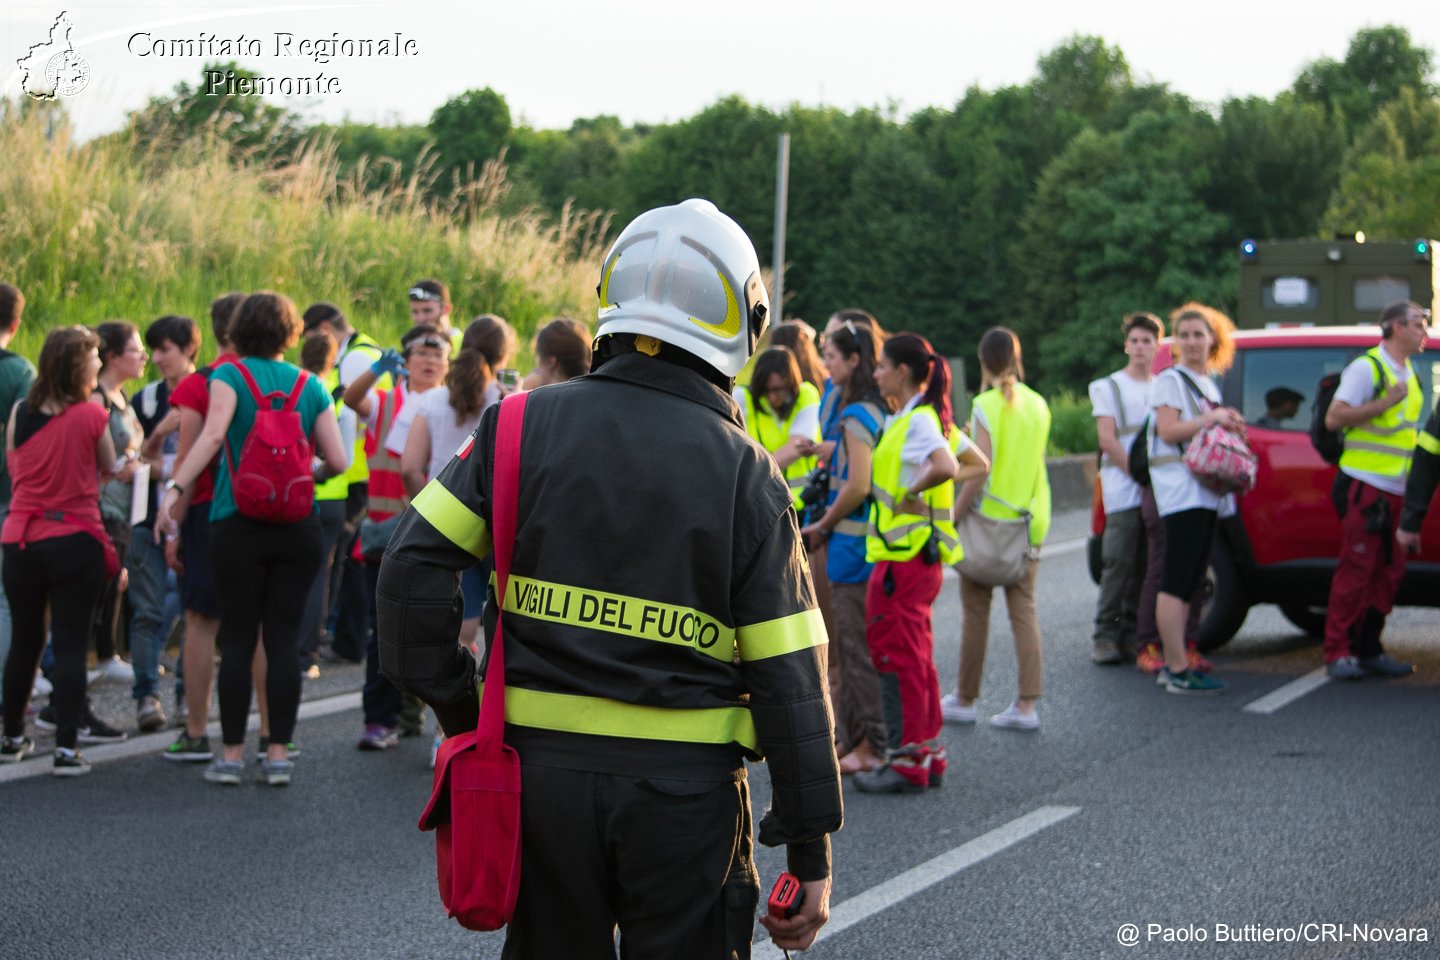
(460, 525)
(899, 536)
(599, 716)
(1384, 446)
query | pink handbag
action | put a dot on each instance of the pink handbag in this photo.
(474, 807)
(1222, 460)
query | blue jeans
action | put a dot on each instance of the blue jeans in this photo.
(145, 561)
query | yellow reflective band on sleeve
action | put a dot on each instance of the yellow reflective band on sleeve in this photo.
(800, 631)
(615, 613)
(1429, 443)
(598, 716)
(461, 525)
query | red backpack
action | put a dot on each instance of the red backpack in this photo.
(273, 480)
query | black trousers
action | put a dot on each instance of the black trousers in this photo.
(667, 861)
(66, 574)
(263, 574)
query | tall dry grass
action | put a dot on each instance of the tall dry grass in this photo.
(104, 230)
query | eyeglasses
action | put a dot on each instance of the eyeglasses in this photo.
(439, 343)
(420, 293)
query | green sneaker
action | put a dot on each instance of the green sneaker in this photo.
(265, 743)
(188, 749)
(1190, 681)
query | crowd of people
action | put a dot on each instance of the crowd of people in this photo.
(121, 513)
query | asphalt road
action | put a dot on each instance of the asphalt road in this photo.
(1191, 818)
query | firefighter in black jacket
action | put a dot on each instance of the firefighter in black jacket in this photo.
(660, 622)
(1420, 485)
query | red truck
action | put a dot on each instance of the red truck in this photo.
(1281, 545)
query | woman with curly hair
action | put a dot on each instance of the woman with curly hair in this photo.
(1185, 399)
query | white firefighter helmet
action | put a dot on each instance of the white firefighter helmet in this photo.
(688, 276)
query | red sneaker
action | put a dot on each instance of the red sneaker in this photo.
(1150, 659)
(1195, 662)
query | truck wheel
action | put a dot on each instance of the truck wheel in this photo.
(1226, 599)
(1309, 619)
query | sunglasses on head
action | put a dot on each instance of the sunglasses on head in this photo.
(429, 340)
(420, 293)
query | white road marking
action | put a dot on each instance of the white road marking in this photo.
(1289, 693)
(880, 898)
(37, 766)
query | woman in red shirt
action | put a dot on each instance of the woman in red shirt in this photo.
(56, 551)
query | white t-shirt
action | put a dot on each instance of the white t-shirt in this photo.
(446, 436)
(806, 423)
(1175, 487)
(922, 438)
(1117, 488)
(1357, 388)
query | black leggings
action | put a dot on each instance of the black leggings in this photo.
(66, 574)
(263, 573)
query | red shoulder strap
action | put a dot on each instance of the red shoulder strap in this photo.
(250, 382)
(295, 391)
(503, 506)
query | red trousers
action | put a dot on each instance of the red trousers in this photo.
(1362, 592)
(902, 643)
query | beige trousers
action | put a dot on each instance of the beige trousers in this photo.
(975, 633)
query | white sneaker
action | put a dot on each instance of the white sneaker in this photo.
(113, 670)
(1012, 719)
(43, 687)
(951, 710)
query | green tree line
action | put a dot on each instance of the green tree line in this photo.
(1053, 207)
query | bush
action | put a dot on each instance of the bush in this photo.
(120, 229)
(1072, 428)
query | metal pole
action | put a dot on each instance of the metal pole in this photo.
(782, 191)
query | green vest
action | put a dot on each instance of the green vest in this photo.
(899, 536)
(1384, 445)
(1019, 434)
(359, 471)
(772, 436)
(336, 488)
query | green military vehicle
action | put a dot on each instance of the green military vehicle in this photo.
(1327, 283)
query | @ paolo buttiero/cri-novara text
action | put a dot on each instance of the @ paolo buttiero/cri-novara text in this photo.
(280, 45)
(1130, 934)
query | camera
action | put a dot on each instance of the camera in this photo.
(817, 487)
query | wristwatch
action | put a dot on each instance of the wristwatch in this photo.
(172, 485)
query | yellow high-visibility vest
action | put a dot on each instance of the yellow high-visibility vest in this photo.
(1384, 445)
(772, 436)
(899, 536)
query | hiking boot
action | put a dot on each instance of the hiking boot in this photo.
(149, 715)
(377, 737)
(1189, 681)
(223, 771)
(1384, 665)
(188, 749)
(15, 749)
(1150, 659)
(1346, 668)
(69, 763)
(953, 712)
(890, 780)
(1106, 654)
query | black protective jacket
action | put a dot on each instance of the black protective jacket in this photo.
(660, 620)
(1424, 474)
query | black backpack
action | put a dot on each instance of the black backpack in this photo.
(1139, 459)
(1331, 443)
